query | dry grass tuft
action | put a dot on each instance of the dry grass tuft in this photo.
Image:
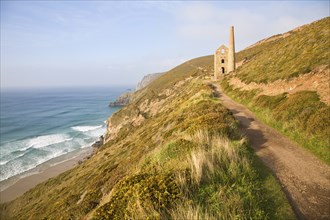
(193, 212)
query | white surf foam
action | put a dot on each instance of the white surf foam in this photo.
(32, 152)
(97, 132)
(6, 158)
(42, 141)
(86, 128)
(4, 162)
(20, 165)
(31, 159)
(16, 149)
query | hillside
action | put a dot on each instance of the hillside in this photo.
(287, 55)
(285, 81)
(173, 153)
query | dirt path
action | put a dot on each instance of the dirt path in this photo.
(304, 179)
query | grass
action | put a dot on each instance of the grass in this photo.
(231, 168)
(284, 58)
(203, 162)
(300, 116)
(184, 159)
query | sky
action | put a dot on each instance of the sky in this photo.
(112, 43)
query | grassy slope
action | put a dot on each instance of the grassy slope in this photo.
(301, 116)
(284, 58)
(185, 161)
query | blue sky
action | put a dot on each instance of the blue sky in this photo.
(106, 43)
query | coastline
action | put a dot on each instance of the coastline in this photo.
(16, 186)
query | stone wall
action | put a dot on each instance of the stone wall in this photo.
(220, 61)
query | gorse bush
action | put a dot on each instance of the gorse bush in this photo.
(175, 150)
(270, 102)
(140, 195)
(319, 123)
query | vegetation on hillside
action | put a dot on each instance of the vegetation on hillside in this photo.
(185, 160)
(298, 53)
(301, 116)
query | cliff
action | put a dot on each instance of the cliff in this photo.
(122, 100)
(147, 79)
(125, 98)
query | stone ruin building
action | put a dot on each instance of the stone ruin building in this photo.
(224, 57)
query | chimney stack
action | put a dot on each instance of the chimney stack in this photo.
(231, 50)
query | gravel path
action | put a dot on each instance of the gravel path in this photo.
(304, 178)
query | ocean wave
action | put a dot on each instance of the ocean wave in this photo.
(43, 141)
(23, 155)
(97, 132)
(4, 162)
(86, 128)
(42, 149)
(31, 158)
(27, 162)
(8, 157)
(19, 147)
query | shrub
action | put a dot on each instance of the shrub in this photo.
(298, 107)
(319, 123)
(141, 194)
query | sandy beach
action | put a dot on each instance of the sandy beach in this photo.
(14, 187)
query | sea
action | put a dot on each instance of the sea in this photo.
(39, 125)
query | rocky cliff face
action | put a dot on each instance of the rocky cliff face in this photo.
(147, 80)
(122, 100)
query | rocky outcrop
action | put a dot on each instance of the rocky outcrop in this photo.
(125, 98)
(129, 116)
(122, 100)
(147, 80)
(98, 143)
(133, 115)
